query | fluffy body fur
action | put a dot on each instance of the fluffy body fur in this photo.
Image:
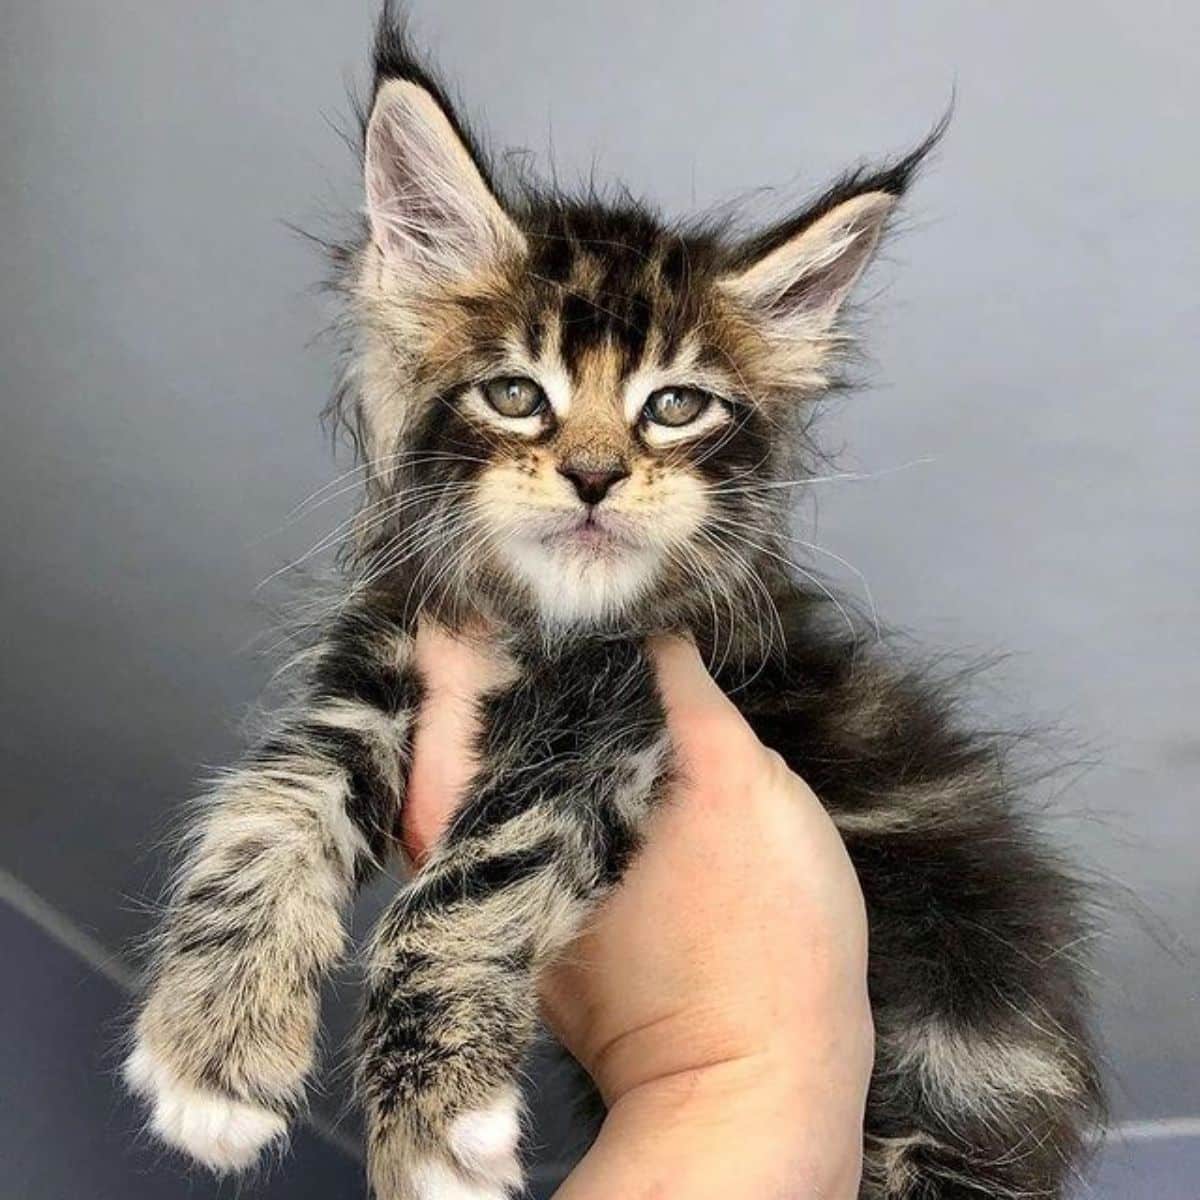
(584, 425)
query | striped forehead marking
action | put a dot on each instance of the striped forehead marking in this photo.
(608, 284)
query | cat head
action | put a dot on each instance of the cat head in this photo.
(571, 411)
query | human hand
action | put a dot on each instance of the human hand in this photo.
(718, 998)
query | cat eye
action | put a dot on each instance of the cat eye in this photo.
(676, 406)
(514, 396)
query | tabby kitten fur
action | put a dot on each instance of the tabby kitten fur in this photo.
(584, 425)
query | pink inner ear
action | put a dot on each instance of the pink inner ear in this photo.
(427, 201)
(825, 287)
(809, 276)
(406, 214)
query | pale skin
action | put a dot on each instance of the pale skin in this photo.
(718, 999)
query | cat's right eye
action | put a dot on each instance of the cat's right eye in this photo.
(514, 396)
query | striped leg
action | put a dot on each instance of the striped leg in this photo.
(575, 753)
(225, 1039)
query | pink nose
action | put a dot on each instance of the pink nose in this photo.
(593, 486)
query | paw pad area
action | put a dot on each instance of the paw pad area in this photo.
(482, 1148)
(484, 1140)
(438, 1181)
(221, 1133)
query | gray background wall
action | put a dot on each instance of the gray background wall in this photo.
(1033, 337)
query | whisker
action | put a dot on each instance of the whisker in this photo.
(393, 504)
(866, 587)
(738, 535)
(312, 501)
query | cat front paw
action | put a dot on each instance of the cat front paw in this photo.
(478, 1159)
(220, 1132)
(484, 1144)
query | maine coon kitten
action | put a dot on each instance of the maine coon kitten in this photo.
(582, 423)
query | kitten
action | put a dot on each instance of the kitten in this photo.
(582, 423)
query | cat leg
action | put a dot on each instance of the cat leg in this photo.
(451, 1004)
(450, 1011)
(225, 1038)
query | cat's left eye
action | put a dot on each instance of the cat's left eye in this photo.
(514, 396)
(676, 406)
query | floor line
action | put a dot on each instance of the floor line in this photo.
(1160, 1130)
(59, 928)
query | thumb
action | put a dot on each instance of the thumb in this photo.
(686, 687)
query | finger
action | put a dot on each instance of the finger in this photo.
(683, 680)
(455, 669)
(461, 663)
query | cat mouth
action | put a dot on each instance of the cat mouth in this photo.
(593, 533)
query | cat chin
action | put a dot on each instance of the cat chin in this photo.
(570, 590)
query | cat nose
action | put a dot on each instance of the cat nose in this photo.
(593, 486)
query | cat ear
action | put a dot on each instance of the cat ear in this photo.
(796, 276)
(803, 281)
(431, 210)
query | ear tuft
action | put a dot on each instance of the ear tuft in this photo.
(393, 54)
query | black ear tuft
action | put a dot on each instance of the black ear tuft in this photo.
(890, 178)
(395, 56)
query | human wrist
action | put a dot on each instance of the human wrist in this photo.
(731, 1130)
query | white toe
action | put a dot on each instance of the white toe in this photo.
(223, 1134)
(484, 1141)
(141, 1071)
(436, 1181)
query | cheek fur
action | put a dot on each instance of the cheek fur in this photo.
(671, 502)
(515, 489)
